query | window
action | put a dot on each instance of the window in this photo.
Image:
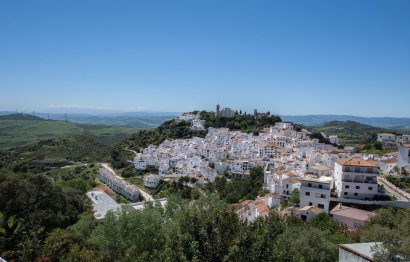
(307, 193)
(370, 188)
(356, 194)
(320, 186)
(357, 187)
(345, 193)
(310, 204)
(321, 206)
(309, 184)
(346, 186)
(322, 196)
(287, 185)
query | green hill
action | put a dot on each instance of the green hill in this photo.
(55, 152)
(19, 116)
(241, 122)
(18, 130)
(350, 132)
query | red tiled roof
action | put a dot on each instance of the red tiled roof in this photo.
(357, 161)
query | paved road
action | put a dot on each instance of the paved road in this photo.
(144, 194)
(132, 151)
(396, 192)
(74, 165)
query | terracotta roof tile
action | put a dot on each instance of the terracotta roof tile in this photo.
(357, 161)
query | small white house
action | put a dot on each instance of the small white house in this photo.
(334, 139)
(151, 181)
(140, 163)
(289, 185)
(315, 191)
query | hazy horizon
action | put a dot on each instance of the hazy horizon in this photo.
(153, 112)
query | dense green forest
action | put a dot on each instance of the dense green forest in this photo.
(46, 221)
(243, 122)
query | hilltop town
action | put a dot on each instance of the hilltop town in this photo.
(254, 170)
(322, 176)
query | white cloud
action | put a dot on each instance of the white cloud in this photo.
(135, 108)
(64, 106)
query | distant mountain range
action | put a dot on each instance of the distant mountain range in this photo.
(131, 119)
(154, 119)
(385, 122)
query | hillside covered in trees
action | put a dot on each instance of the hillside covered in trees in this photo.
(242, 122)
(350, 132)
(45, 221)
(54, 153)
(21, 130)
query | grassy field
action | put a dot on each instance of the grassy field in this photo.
(23, 132)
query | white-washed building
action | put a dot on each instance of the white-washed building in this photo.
(315, 191)
(356, 178)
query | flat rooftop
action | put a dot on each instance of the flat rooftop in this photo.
(316, 179)
(102, 203)
(351, 212)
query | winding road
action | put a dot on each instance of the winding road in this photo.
(395, 191)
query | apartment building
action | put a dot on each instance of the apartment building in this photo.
(356, 178)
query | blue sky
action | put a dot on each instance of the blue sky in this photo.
(289, 57)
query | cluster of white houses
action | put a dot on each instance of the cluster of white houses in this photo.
(194, 119)
(235, 152)
(292, 160)
(352, 178)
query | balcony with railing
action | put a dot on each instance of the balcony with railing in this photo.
(360, 179)
(360, 170)
(348, 175)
